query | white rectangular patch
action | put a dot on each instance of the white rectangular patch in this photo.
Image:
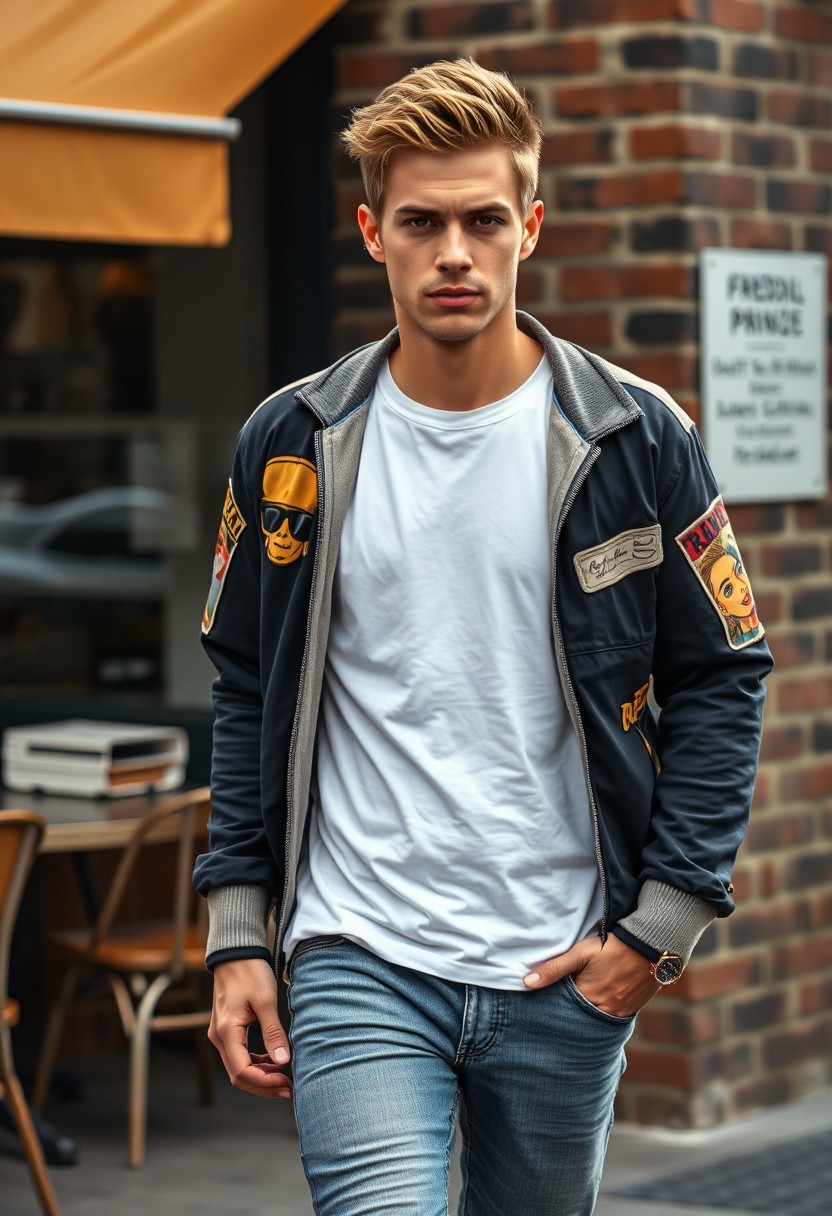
(614, 559)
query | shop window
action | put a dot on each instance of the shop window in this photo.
(95, 486)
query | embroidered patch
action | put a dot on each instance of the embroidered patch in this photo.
(605, 564)
(231, 529)
(712, 551)
(290, 500)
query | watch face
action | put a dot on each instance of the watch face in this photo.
(668, 969)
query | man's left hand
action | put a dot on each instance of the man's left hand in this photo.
(612, 976)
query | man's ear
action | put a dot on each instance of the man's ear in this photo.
(531, 230)
(371, 233)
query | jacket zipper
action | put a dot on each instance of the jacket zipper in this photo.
(580, 478)
(289, 880)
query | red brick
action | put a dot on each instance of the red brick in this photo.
(671, 142)
(621, 190)
(766, 833)
(760, 234)
(769, 879)
(763, 150)
(808, 870)
(804, 693)
(816, 996)
(820, 68)
(725, 1063)
(785, 560)
(799, 109)
(763, 791)
(820, 155)
(660, 1067)
(766, 923)
(759, 1011)
(797, 1045)
(459, 20)
(770, 605)
(531, 282)
(816, 515)
(544, 58)
(782, 743)
(747, 15)
(701, 981)
(565, 14)
(625, 282)
(757, 519)
(611, 100)
(580, 147)
(364, 69)
(678, 1024)
(807, 781)
(586, 328)
(576, 240)
(720, 189)
(743, 890)
(792, 649)
(803, 25)
(801, 957)
(659, 1108)
(761, 1092)
(820, 909)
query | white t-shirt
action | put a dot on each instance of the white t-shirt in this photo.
(449, 829)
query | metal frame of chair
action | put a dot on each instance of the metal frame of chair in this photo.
(20, 836)
(141, 963)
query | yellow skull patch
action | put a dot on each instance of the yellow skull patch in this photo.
(290, 499)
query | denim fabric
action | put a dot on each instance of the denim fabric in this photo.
(385, 1058)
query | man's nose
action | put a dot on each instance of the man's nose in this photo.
(454, 250)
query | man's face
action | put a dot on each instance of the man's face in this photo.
(451, 235)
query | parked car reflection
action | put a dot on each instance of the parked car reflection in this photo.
(104, 543)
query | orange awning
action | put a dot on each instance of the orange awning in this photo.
(103, 170)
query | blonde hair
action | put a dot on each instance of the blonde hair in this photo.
(445, 106)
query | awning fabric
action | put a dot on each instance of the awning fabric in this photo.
(188, 57)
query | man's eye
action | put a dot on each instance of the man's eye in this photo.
(487, 221)
(417, 221)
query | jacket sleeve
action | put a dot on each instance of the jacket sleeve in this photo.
(708, 672)
(238, 873)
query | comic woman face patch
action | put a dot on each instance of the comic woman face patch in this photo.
(290, 499)
(711, 548)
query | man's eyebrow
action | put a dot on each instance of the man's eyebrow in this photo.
(481, 209)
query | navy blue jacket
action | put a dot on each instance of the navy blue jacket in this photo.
(651, 611)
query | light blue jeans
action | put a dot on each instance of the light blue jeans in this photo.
(384, 1058)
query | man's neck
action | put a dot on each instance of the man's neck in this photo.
(463, 375)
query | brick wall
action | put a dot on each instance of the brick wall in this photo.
(674, 125)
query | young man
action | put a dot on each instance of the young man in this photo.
(451, 565)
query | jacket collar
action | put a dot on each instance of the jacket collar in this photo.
(589, 396)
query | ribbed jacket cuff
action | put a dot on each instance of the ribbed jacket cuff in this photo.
(238, 919)
(668, 919)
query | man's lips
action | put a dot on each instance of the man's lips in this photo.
(454, 297)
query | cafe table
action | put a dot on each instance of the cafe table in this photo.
(80, 825)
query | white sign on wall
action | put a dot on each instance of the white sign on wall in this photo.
(764, 373)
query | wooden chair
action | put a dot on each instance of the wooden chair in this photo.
(20, 835)
(142, 962)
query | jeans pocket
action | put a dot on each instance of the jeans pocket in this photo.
(308, 945)
(578, 997)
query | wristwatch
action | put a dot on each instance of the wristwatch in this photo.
(667, 968)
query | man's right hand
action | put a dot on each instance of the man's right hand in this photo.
(245, 991)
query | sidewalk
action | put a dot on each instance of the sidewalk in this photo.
(239, 1157)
